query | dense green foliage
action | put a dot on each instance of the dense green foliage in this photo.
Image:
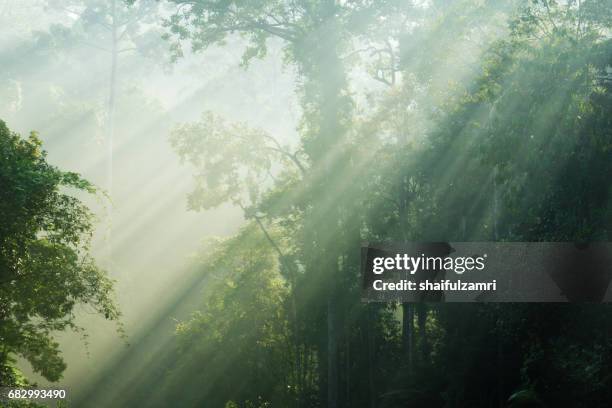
(45, 267)
(243, 328)
(522, 152)
(443, 120)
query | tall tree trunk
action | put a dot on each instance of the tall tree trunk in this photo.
(297, 349)
(422, 319)
(348, 371)
(408, 334)
(330, 77)
(289, 270)
(322, 369)
(111, 98)
(332, 355)
(324, 93)
(495, 205)
(500, 369)
(110, 127)
(407, 308)
(371, 357)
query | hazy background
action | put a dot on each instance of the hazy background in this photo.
(55, 79)
(434, 120)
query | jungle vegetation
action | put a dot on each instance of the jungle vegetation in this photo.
(439, 120)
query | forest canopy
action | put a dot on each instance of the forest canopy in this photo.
(521, 152)
(342, 122)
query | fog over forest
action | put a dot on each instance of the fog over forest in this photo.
(56, 81)
(242, 151)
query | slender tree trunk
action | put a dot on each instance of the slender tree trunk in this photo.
(371, 355)
(407, 308)
(110, 131)
(495, 205)
(500, 371)
(408, 334)
(111, 99)
(348, 371)
(322, 369)
(422, 319)
(324, 89)
(289, 270)
(298, 355)
(332, 357)
(330, 83)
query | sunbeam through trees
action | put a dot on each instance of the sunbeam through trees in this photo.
(187, 189)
